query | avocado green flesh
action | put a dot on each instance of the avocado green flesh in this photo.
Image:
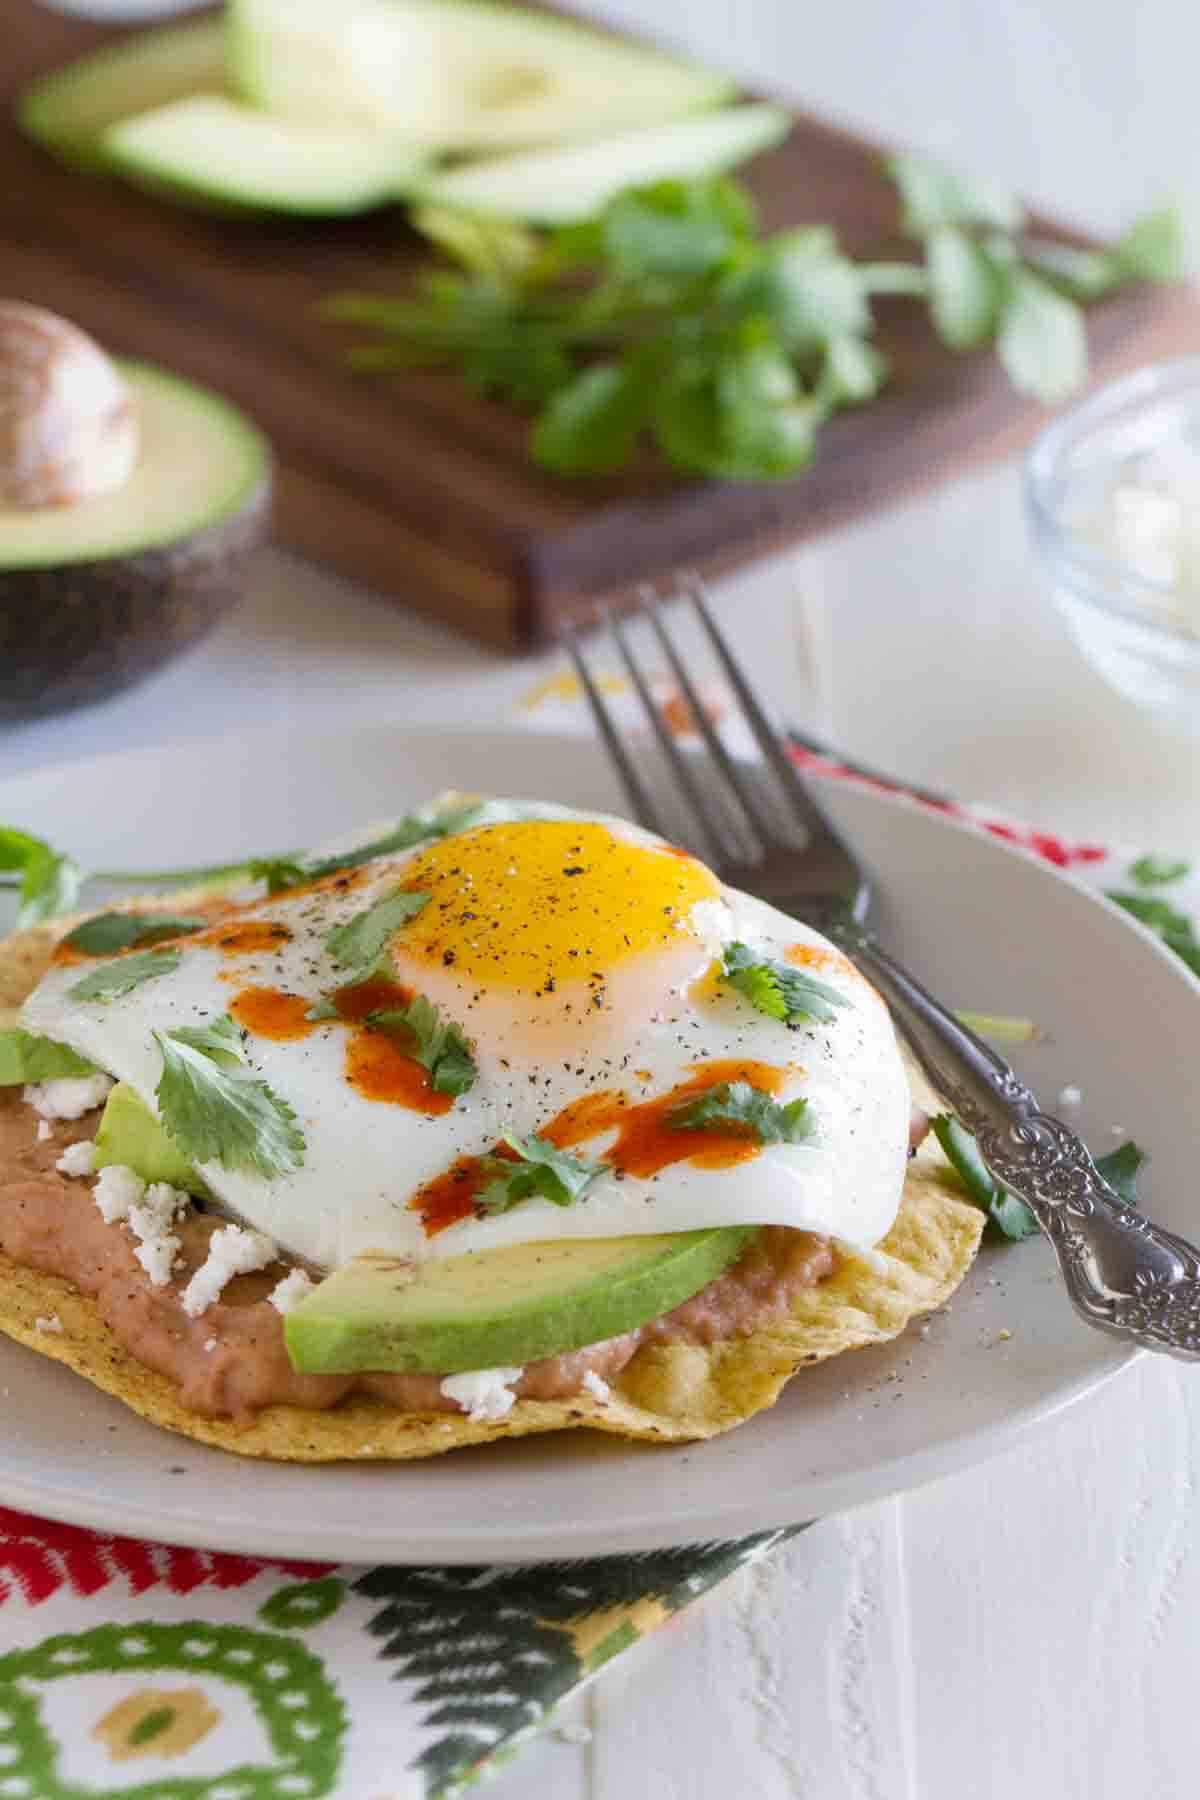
(496, 1308)
(26, 1057)
(561, 186)
(214, 149)
(67, 110)
(455, 74)
(199, 462)
(130, 1135)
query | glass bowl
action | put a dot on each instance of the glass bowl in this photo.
(1112, 494)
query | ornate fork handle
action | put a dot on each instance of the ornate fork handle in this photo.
(1123, 1274)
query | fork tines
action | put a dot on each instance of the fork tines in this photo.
(732, 815)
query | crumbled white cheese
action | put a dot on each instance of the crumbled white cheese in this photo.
(210, 1344)
(70, 1096)
(231, 1251)
(291, 1290)
(117, 1189)
(596, 1387)
(44, 1130)
(150, 1220)
(483, 1394)
(78, 1159)
(149, 1212)
(52, 1323)
(1070, 1096)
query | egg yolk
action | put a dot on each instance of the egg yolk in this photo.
(539, 903)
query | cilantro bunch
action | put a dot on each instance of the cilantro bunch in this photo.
(668, 319)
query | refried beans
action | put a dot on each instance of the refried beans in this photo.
(232, 1359)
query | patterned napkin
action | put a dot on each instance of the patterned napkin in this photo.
(135, 1671)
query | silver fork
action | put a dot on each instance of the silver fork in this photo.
(1124, 1275)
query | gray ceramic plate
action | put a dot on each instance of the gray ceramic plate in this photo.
(989, 927)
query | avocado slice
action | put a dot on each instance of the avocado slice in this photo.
(26, 1057)
(68, 110)
(456, 74)
(98, 594)
(492, 1308)
(129, 1134)
(211, 149)
(558, 187)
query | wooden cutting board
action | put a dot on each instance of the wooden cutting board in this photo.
(422, 489)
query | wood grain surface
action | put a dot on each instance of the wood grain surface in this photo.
(421, 488)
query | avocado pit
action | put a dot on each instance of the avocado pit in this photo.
(130, 502)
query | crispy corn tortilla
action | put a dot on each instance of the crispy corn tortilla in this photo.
(669, 1393)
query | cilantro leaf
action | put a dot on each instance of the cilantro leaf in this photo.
(778, 989)
(109, 932)
(964, 290)
(737, 1103)
(1120, 1169)
(362, 940)
(1158, 871)
(48, 882)
(122, 976)
(321, 1010)
(26, 1057)
(279, 872)
(1041, 341)
(542, 1169)
(674, 228)
(1152, 249)
(220, 1038)
(591, 425)
(736, 412)
(1175, 928)
(216, 1111)
(1008, 1217)
(440, 1048)
(411, 829)
(931, 196)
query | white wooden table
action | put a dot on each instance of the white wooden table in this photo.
(1032, 1626)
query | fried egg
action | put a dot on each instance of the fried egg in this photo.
(581, 959)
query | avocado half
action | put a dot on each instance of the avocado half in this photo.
(99, 594)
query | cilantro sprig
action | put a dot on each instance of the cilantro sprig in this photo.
(47, 882)
(668, 319)
(737, 1103)
(106, 933)
(121, 977)
(359, 944)
(541, 1168)
(217, 1110)
(1009, 1217)
(438, 1045)
(778, 989)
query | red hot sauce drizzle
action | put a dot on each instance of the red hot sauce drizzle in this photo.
(646, 1139)
(377, 1066)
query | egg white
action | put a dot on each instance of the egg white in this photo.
(365, 1159)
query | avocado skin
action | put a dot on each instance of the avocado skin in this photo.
(76, 634)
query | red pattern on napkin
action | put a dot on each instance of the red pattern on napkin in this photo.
(39, 1557)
